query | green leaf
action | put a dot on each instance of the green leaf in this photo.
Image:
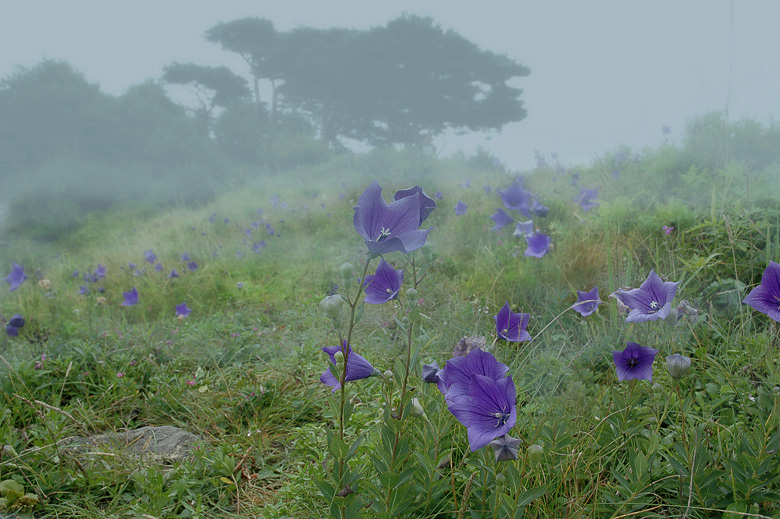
(529, 496)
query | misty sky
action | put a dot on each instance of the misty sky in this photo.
(603, 73)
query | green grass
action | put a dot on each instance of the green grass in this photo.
(242, 371)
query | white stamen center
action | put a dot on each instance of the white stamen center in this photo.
(654, 305)
(383, 233)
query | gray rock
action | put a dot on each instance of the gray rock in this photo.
(162, 444)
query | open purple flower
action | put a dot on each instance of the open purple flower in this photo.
(383, 286)
(182, 310)
(536, 208)
(488, 411)
(510, 326)
(455, 378)
(766, 297)
(587, 302)
(16, 277)
(192, 266)
(100, 272)
(83, 290)
(11, 331)
(173, 274)
(461, 208)
(538, 245)
(515, 198)
(634, 362)
(651, 301)
(131, 298)
(357, 366)
(158, 267)
(438, 195)
(501, 218)
(427, 205)
(388, 227)
(587, 198)
(185, 256)
(150, 256)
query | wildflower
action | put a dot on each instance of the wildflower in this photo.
(192, 266)
(766, 297)
(536, 209)
(511, 326)
(182, 310)
(487, 189)
(131, 265)
(587, 302)
(120, 374)
(651, 301)
(685, 309)
(100, 272)
(438, 195)
(185, 256)
(83, 291)
(586, 198)
(668, 229)
(430, 372)
(634, 362)
(74, 274)
(488, 409)
(621, 306)
(505, 448)
(388, 227)
(523, 229)
(677, 365)
(538, 245)
(149, 256)
(427, 205)
(257, 247)
(455, 378)
(16, 277)
(240, 285)
(173, 274)
(461, 208)
(501, 218)
(131, 298)
(383, 286)
(191, 382)
(515, 198)
(158, 267)
(357, 366)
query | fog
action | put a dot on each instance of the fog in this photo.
(602, 73)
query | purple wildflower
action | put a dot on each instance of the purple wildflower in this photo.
(523, 229)
(461, 208)
(131, 298)
(357, 366)
(74, 274)
(173, 274)
(438, 195)
(100, 272)
(510, 326)
(192, 266)
(83, 290)
(587, 198)
(430, 372)
(487, 189)
(515, 198)
(17, 321)
(150, 256)
(131, 265)
(258, 246)
(158, 267)
(501, 218)
(651, 301)
(587, 302)
(383, 286)
(185, 256)
(182, 310)
(388, 227)
(634, 362)
(16, 277)
(766, 297)
(427, 205)
(538, 245)
(455, 377)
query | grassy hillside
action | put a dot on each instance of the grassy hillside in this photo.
(242, 369)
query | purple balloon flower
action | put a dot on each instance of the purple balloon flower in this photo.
(487, 189)
(11, 331)
(510, 326)
(651, 301)
(587, 302)
(383, 286)
(388, 227)
(185, 256)
(515, 198)
(455, 378)
(357, 366)
(158, 267)
(192, 266)
(427, 205)
(501, 218)
(16, 277)
(131, 298)
(461, 208)
(149, 256)
(100, 272)
(430, 372)
(766, 297)
(173, 274)
(587, 198)
(635, 362)
(182, 310)
(17, 321)
(538, 245)
(536, 209)
(488, 410)
(83, 290)
(75, 274)
(438, 195)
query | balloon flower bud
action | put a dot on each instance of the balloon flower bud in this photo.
(347, 274)
(333, 306)
(411, 297)
(417, 409)
(535, 452)
(677, 365)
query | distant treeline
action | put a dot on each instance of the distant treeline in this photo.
(67, 148)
